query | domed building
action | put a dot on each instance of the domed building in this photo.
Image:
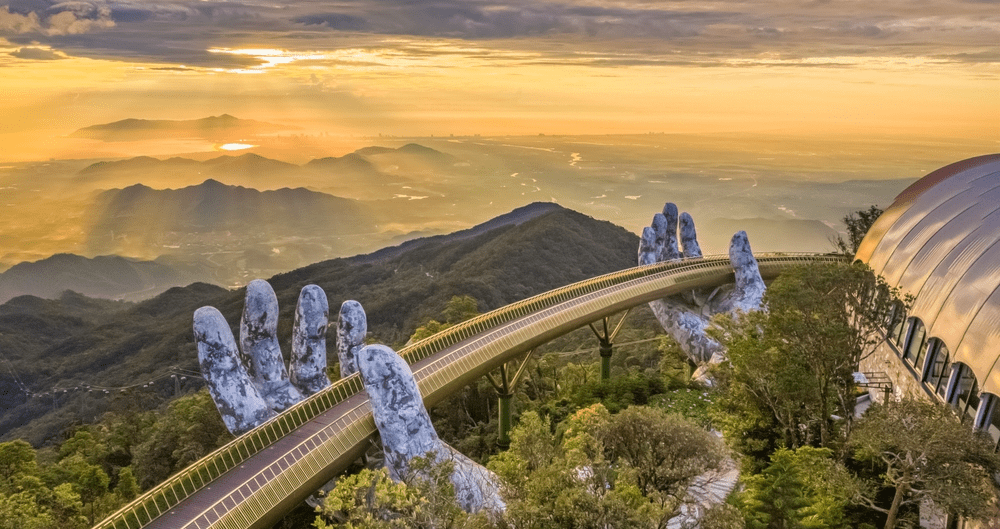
(940, 242)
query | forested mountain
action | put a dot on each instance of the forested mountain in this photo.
(125, 344)
(106, 276)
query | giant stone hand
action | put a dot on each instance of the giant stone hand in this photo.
(686, 317)
(250, 384)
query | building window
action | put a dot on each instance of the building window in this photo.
(992, 425)
(966, 397)
(938, 367)
(898, 324)
(915, 347)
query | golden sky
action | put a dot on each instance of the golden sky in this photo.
(422, 67)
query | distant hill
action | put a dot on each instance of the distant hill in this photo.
(410, 158)
(529, 252)
(514, 218)
(142, 217)
(109, 277)
(374, 172)
(769, 235)
(213, 127)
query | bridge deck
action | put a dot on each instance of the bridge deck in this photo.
(268, 471)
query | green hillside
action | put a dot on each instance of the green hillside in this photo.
(114, 345)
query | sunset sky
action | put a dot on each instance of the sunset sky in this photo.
(422, 67)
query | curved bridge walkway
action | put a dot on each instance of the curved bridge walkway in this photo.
(255, 479)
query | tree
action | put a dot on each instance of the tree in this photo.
(190, 429)
(460, 308)
(629, 470)
(371, 499)
(925, 453)
(795, 361)
(799, 489)
(858, 224)
(665, 451)
(457, 310)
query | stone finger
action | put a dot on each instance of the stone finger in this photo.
(352, 327)
(236, 397)
(689, 238)
(668, 251)
(748, 291)
(308, 363)
(398, 409)
(259, 341)
(647, 247)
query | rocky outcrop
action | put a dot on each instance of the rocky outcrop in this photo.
(686, 317)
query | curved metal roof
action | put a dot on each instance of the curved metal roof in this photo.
(940, 241)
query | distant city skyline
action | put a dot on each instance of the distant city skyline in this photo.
(440, 67)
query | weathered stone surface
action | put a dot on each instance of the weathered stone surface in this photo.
(307, 369)
(647, 246)
(686, 327)
(686, 317)
(689, 237)
(668, 252)
(352, 326)
(407, 432)
(749, 290)
(240, 404)
(261, 353)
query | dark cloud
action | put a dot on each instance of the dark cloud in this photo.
(338, 21)
(36, 54)
(180, 31)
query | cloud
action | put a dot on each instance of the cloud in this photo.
(15, 23)
(338, 21)
(599, 32)
(37, 54)
(66, 18)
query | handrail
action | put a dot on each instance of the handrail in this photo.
(188, 481)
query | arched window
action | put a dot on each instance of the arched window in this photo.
(966, 395)
(984, 420)
(898, 323)
(938, 366)
(917, 344)
(992, 422)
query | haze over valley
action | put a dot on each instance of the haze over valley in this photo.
(282, 202)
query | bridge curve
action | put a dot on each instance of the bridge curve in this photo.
(255, 479)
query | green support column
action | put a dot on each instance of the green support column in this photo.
(606, 339)
(505, 391)
(605, 360)
(504, 438)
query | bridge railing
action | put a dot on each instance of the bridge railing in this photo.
(166, 495)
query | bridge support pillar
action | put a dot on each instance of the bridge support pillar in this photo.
(606, 340)
(505, 391)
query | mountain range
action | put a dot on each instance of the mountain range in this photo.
(54, 344)
(220, 127)
(364, 173)
(108, 276)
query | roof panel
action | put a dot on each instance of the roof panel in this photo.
(965, 300)
(951, 267)
(874, 249)
(942, 237)
(980, 347)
